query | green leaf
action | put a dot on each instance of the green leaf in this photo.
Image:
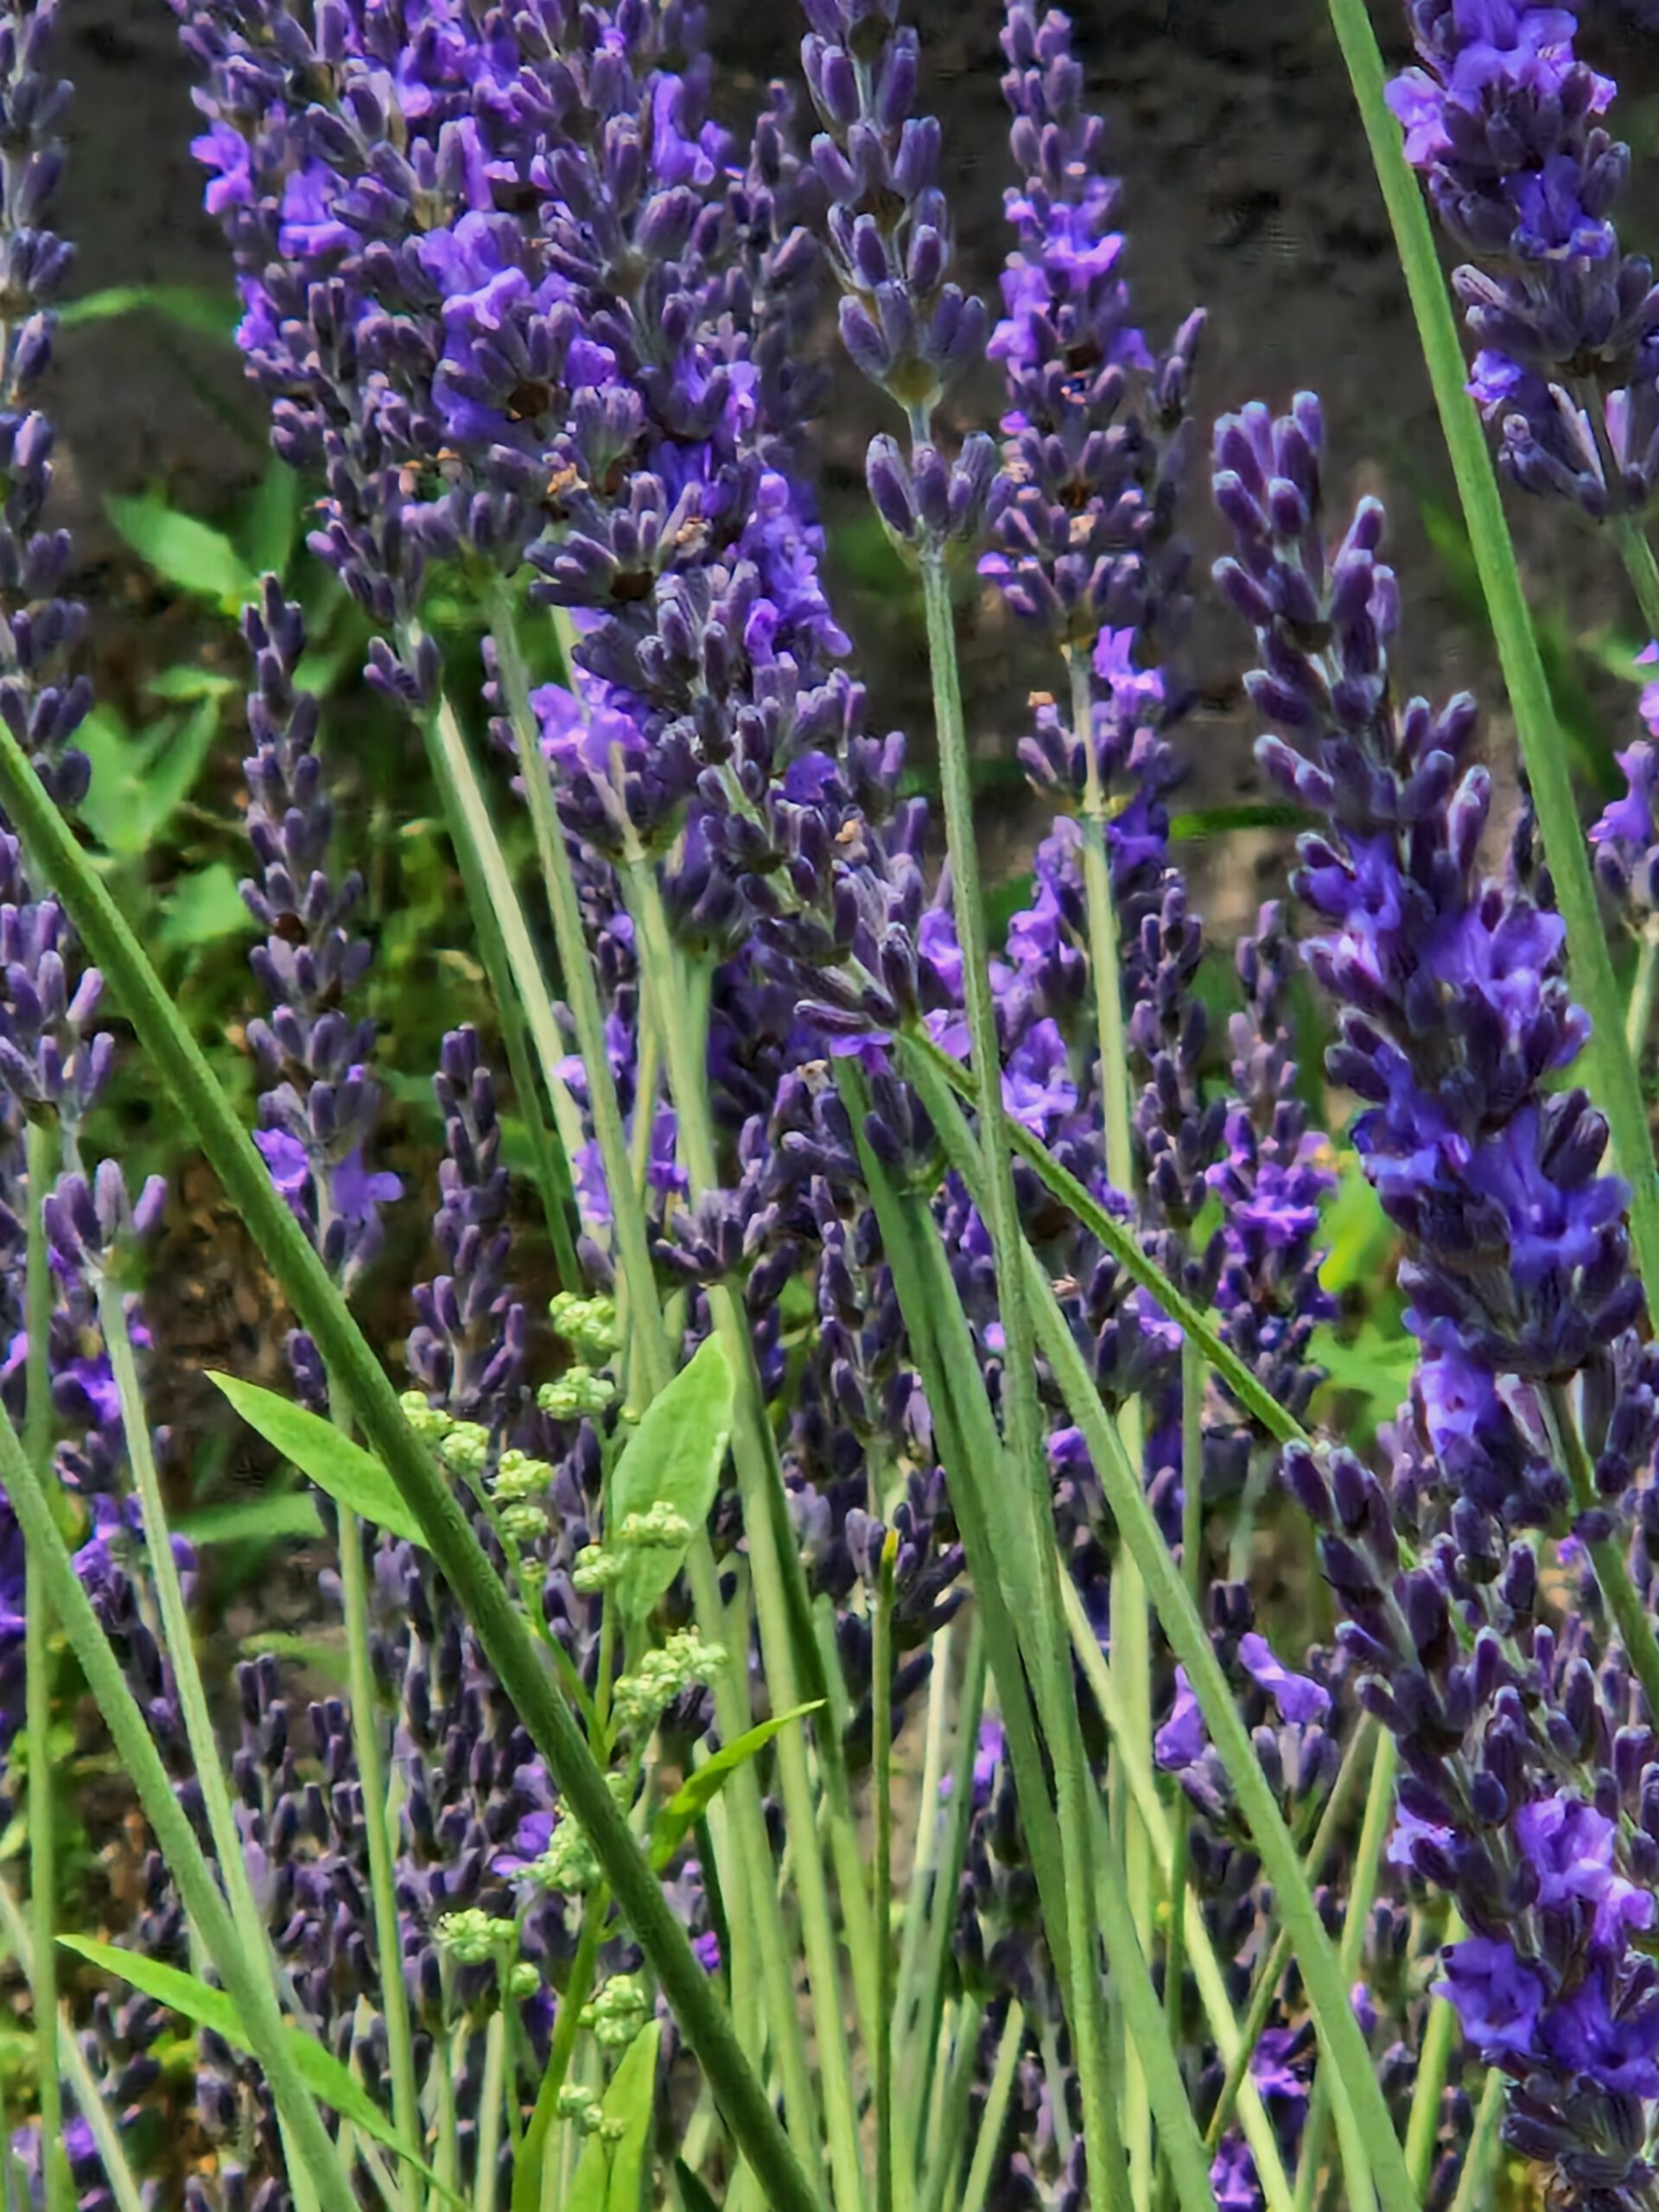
(273, 525)
(210, 313)
(320, 2071)
(610, 2177)
(202, 908)
(183, 551)
(673, 1458)
(186, 683)
(325, 1659)
(1376, 1366)
(256, 1520)
(1358, 1235)
(694, 2191)
(317, 1448)
(141, 778)
(1221, 821)
(694, 1794)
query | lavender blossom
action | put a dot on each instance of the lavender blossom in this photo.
(1502, 119)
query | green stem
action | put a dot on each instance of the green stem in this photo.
(1259, 1403)
(1356, 1761)
(1053, 1674)
(244, 1972)
(1638, 1014)
(1423, 2127)
(751, 1456)
(383, 1891)
(1629, 1614)
(89, 2098)
(882, 1699)
(1131, 1641)
(40, 1153)
(523, 1005)
(957, 2095)
(491, 2097)
(1194, 1381)
(1373, 1834)
(1637, 553)
(565, 906)
(507, 1643)
(534, 2166)
(1475, 2181)
(1611, 1074)
(996, 2113)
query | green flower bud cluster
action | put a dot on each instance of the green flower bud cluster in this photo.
(473, 1938)
(518, 1478)
(580, 2107)
(618, 2013)
(663, 1676)
(660, 1529)
(466, 1448)
(568, 1864)
(576, 1395)
(595, 1569)
(588, 1326)
(523, 1524)
(430, 1423)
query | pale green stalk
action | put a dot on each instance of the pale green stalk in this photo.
(523, 1004)
(688, 1083)
(926, 1974)
(881, 1723)
(492, 2092)
(227, 1839)
(1611, 1074)
(996, 2113)
(1207, 1971)
(244, 1973)
(1475, 2191)
(1194, 1381)
(650, 1338)
(1635, 552)
(958, 2092)
(1373, 2143)
(39, 1151)
(383, 1890)
(1638, 1014)
(89, 2098)
(1423, 2127)
(1356, 1912)
(1131, 1641)
(1052, 1674)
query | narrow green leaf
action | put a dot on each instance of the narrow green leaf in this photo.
(183, 551)
(272, 529)
(333, 1463)
(693, 2190)
(694, 1795)
(185, 684)
(1248, 814)
(210, 313)
(610, 2175)
(673, 1459)
(252, 1520)
(321, 2072)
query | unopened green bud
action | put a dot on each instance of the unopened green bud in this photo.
(660, 1529)
(597, 1569)
(473, 1938)
(663, 1676)
(518, 1477)
(587, 1325)
(430, 1423)
(523, 1524)
(466, 1448)
(576, 1394)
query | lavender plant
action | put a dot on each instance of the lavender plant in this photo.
(807, 1714)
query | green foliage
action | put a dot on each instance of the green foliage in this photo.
(610, 2171)
(184, 552)
(320, 2071)
(673, 1459)
(695, 1795)
(141, 778)
(320, 1450)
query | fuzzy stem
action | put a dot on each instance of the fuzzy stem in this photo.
(508, 1644)
(1475, 2181)
(534, 2167)
(490, 2096)
(1638, 1014)
(39, 1151)
(1056, 1697)
(244, 1973)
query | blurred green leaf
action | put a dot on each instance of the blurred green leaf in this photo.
(184, 552)
(212, 313)
(272, 528)
(1004, 901)
(1375, 1366)
(1358, 1235)
(183, 684)
(140, 778)
(202, 907)
(256, 1520)
(1221, 821)
(324, 1659)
